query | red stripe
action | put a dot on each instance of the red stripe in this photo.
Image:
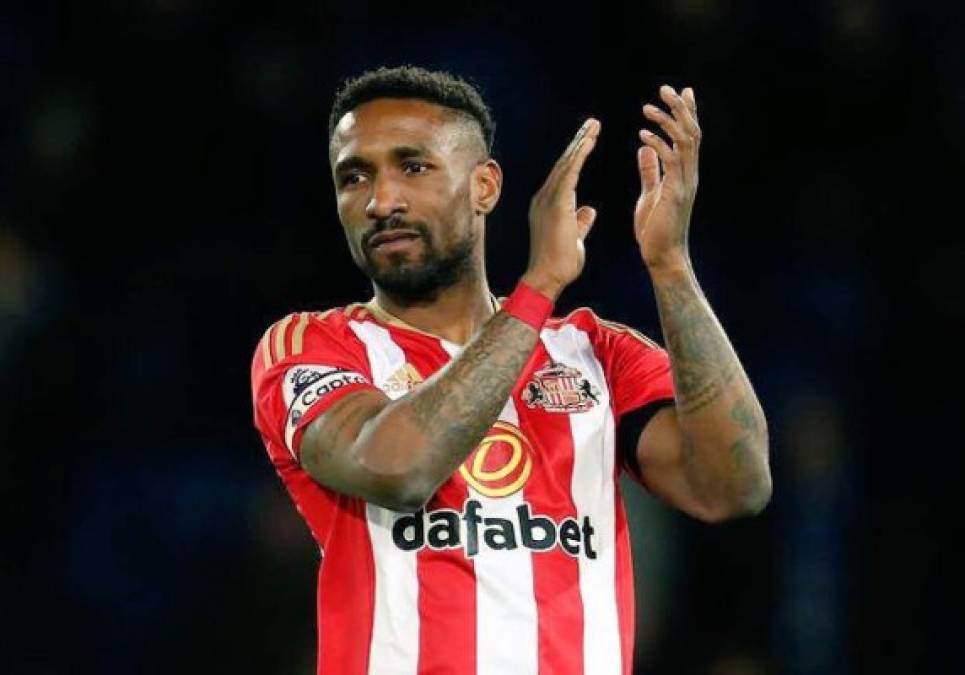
(556, 575)
(447, 600)
(624, 583)
(346, 596)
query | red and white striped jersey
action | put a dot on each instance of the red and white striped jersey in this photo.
(520, 563)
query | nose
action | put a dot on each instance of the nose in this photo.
(386, 199)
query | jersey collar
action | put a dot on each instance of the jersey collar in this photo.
(385, 316)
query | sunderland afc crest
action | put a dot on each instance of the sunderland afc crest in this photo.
(558, 388)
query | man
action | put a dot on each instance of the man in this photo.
(454, 457)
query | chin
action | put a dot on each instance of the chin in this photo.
(397, 265)
(419, 276)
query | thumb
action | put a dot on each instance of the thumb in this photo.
(649, 167)
(585, 217)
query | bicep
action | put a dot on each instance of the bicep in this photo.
(661, 454)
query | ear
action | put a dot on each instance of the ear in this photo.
(486, 184)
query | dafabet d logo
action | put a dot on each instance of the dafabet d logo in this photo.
(501, 463)
(500, 466)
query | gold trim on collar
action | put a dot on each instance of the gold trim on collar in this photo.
(391, 319)
(385, 316)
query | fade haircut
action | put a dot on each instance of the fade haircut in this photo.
(438, 87)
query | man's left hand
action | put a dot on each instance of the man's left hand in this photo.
(662, 215)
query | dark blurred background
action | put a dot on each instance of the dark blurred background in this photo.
(165, 195)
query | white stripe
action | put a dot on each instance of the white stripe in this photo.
(507, 636)
(593, 494)
(395, 626)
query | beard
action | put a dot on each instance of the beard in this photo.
(417, 279)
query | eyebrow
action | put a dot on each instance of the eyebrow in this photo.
(398, 153)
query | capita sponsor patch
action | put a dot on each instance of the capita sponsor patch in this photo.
(305, 386)
(559, 388)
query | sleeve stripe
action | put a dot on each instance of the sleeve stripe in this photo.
(274, 342)
(321, 316)
(621, 328)
(615, 326)
(280, 331)
(298, 337)
(266, 347)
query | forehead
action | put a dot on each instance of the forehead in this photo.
(377, 126)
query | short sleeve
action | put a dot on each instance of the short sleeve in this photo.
(641, 383)
(302, 366)
(638, 369)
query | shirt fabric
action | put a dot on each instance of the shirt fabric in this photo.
(520, 563)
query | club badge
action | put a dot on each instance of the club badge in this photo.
(558, 388)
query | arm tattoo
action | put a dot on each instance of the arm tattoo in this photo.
(456, 410)
(704, 364)
(752, 433)
(723, 424)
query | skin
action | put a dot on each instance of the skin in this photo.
(450, 187)
(415, 167)
(708, 455)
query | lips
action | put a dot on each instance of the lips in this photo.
(391, 236)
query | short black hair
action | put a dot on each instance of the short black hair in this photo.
(438, 87)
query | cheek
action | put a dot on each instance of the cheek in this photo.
(352, 233)
(461, 213)
(346, 207)
(451, 221)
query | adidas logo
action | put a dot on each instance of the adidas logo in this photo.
(403, 380)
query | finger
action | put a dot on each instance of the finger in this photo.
(584, 131)
(649, 167)
(669, 158)
(690, 100)
(682, 114)
(552, 178)
(570, 170)
(570, 149)
(681, 127)
(585, 217)
(667, 123)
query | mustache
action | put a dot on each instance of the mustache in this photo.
(394, 223)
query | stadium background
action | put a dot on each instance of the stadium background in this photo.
(164, 195)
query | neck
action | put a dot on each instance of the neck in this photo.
(454, 314)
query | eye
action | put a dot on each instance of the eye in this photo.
(350, 179)
(415, 167)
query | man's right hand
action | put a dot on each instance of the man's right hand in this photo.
(556, 226)
(397, 453)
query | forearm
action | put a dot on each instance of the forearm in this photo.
(419, 440)
(398, 453)
(723, 426)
